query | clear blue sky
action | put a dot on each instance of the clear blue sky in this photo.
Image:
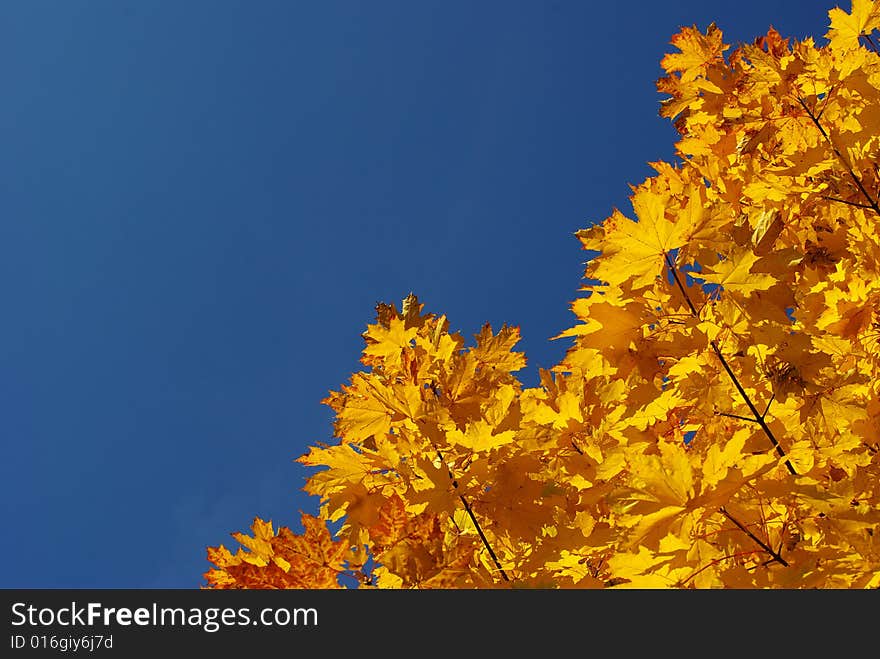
(203, 201)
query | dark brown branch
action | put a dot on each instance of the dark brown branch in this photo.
(776, 557)
(687, 298)
(844, 201)
(473, 517)
(871, 201)
(483, 537)
(759, 419)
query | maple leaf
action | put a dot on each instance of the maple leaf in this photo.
(847, 28)
(636, 251)
(479, 437)
(734, 273)
(496, 350)
(698, 52)
(360, 413)
(390, 523)
(280, 560)
(346, 468)
(386, 344)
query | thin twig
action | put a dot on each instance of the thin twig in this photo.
(769, 403)
(716, 561)
(760, 542)
(871, 201)
(844, 201)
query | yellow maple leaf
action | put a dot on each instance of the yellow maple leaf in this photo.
(698, 51)
(767, 230)
(847, 28)
(734, 273)
(667, 477)
(642, 569)
(390, 523)
(495, 351)
(719, 460)
(260, 544)
(609, 325)
(636, 251)
(346, 468)
(479, 436)
(387, 343)
(359, 414)
(655, 409)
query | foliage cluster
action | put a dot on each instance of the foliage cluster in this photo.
(716, 420)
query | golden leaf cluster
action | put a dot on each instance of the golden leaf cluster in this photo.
(716, 420)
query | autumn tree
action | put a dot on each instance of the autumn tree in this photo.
(716, 420)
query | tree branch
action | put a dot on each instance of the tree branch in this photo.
(681, 288)
(844, 201)
(758, 418)
(872, 203)
(473, 517)
(776, 557)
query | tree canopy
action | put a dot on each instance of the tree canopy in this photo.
(715, 422)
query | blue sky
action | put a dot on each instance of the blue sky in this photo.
(203, 201)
